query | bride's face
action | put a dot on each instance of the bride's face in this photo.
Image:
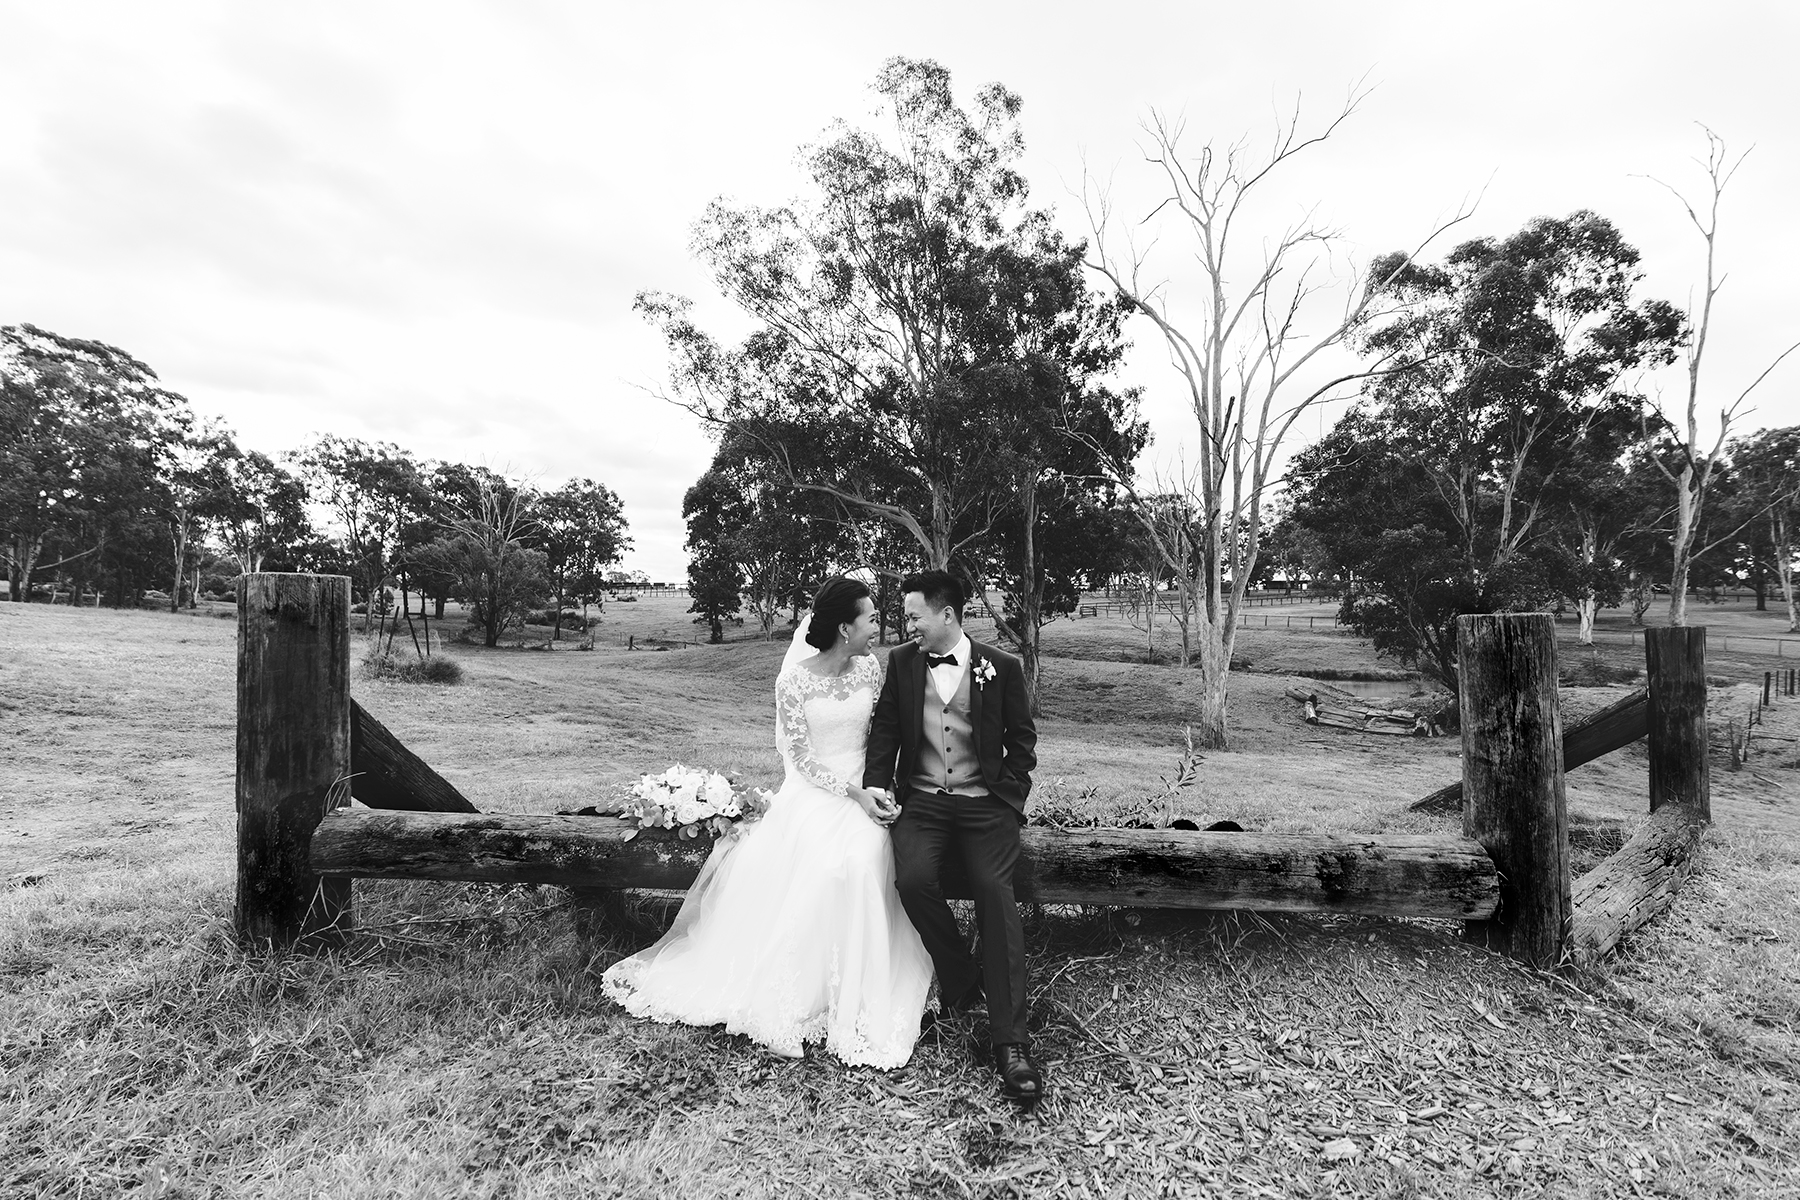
(860, 633)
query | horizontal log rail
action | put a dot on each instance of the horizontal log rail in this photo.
(1636, 883)
(1599, 733)
(1410, 875)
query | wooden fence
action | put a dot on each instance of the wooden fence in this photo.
(305, 748)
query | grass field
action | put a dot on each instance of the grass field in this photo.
(459, 1045)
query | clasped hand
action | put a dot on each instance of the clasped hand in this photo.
(878, 803)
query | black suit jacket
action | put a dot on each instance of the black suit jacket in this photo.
(1005, 735)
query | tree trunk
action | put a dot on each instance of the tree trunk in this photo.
(179, 532)
(1686, 517)
(1589, 602)
(1213, 657)
(1783, 552)
(1584, 608)
(1787, 593)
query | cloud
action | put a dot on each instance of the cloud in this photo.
(428, 225)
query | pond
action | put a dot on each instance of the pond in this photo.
(1377, 689)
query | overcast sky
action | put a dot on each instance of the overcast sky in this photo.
(425, 223)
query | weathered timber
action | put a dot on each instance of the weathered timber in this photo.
(1635, 883)
(1513, 779)
(293, 750)
(1675, 659)
(1415, 875)
(1599, 733)
(388, 775)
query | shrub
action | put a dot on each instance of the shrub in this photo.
(381, 663)
(1591, 671)
(436, 669)
(542, 616)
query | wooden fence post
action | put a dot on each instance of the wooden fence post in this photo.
(1513, 799)
(1675, 659)
(293, 753)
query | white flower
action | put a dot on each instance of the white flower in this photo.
(717, 791)
(689, 810)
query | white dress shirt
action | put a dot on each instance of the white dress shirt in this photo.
(946, 678)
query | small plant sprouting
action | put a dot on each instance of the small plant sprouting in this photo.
(1187, 767)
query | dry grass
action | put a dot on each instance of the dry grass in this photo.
(459, 1045)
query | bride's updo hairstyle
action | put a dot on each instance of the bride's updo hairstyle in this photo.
(839, 602)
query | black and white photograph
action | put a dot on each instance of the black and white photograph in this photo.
(968, 601)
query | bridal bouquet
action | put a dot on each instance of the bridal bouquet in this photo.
(690, 800)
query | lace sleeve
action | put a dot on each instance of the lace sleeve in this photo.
(796, 738)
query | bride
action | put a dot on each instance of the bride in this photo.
(793, 931)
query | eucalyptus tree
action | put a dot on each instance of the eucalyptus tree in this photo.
(749, 523)
(916, 322)
(1767, 464)
(1691, 469)
(192, 488)
(1248, 350)
(498, 573)
(1518, 353)
(83, 427)
(373, 491)
(1609, 504)
(1476, 476)
(581, 529)
(260, 510)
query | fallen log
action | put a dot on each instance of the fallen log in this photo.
(1636, 883)
(1599, 733)
(1411, 875)
(385, 774)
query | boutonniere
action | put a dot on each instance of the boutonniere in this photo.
(983, 670)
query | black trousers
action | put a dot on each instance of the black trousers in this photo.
(982, 833)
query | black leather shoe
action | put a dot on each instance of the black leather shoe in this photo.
(1020, 1078)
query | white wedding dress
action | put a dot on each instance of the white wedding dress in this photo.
(793, 931)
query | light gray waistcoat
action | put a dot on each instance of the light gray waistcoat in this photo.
(947, 761)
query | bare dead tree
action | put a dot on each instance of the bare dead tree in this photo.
(1241, 356)
(1692, 472)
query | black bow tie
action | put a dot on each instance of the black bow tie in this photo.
(939, 660)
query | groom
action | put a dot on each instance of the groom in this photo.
(952, 738)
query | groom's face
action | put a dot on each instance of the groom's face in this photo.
(936, 630)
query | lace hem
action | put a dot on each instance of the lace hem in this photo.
(859, 1045)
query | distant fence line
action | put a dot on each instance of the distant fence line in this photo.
(1279, 621)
